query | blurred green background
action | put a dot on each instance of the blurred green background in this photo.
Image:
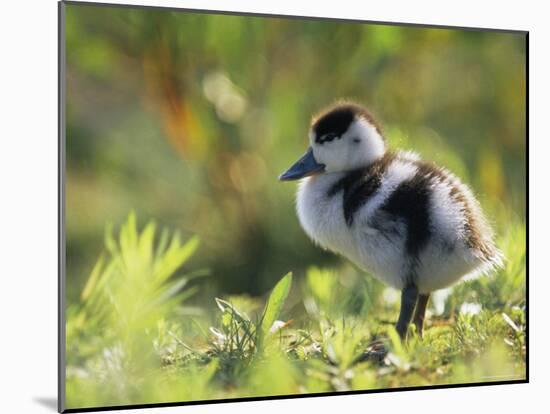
(189, 118)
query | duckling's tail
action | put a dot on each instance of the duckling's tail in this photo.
(489, 263)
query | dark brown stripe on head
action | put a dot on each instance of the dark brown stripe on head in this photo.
(337, 119)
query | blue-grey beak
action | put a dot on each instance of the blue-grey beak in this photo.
(304, 167)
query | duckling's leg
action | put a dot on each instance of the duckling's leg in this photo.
(420, 312)
(409, 296)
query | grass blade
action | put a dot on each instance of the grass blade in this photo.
(275, 303)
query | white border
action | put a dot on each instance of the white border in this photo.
(28, 171)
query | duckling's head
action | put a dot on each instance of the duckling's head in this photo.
(342, 138)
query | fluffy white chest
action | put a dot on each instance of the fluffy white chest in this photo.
(322, 218)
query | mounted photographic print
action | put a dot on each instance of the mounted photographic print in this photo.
(256, 206)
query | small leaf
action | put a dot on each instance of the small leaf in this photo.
(171, 289)
(146, 241)
(188, 249)
(163, 242)
(110, 242)
(225, 306)
(92, 280)
(275, 303)
(510, 322)
(175, 256)
(226, 319)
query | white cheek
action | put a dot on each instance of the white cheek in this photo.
(343, 154)
(372, 144)
(332, 155)
(375, 147)
(319, 154)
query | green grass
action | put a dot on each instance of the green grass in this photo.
(131, 339)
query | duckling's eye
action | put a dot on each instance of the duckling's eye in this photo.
(356, 140)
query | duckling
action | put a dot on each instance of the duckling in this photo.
(411, 224)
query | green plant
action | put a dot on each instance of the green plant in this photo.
(239, 339)
(249, 351)
(133, 286)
